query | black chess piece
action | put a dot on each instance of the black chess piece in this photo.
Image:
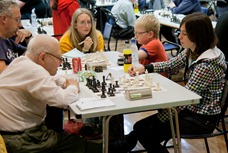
(109, 91)
(117, 85)
(113, 88)
(43, 31)
(103, 93)
(112, 93)
(87, 82)
(64, 65)
(98, 69)
(94, 85)
(104, 80)
(103, 86)
(39, 30)
(86, 67)
(98, 84)
(68, 65)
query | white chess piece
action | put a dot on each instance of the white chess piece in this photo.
(146, 75)
(158, 88)
(112, 80)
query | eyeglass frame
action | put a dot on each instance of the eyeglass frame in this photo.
(59, 58)
(17, 19)
(139, 33)
(83, 23)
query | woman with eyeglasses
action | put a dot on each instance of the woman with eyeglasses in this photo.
(82, 34)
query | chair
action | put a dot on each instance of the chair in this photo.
(218, 131)
(114, 30)
(171, 46)
(107, 35)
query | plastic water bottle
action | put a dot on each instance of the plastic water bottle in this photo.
(33, 18)
(136, 7)
(135, 57)
(127, 56)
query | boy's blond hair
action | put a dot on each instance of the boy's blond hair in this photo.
(149, 23)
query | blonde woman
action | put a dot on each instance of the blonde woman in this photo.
(82, 34)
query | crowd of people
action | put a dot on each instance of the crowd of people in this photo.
(28, 72)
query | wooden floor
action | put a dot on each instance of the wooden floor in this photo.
(216, 144)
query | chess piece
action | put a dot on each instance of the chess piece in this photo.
(94, 88)
(68, 65)
(112, 93)
(113, 88)
(109, 90)
(98, 84)
(158, 88)
(64, 65)
(117, 85)
(103, 92)
(109, 76)
(104, 80)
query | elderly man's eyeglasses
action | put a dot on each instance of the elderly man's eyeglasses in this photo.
(59, 58)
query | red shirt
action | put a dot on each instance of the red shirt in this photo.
(155, 51)
(63, 15)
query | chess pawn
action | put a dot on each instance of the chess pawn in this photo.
(158, 88)
(146, 75)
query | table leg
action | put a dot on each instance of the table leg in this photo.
(177, 129)
(105, 133)
(172, 130)
(178, 143)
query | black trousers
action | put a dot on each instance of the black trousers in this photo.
(54, 118)
(150, 131)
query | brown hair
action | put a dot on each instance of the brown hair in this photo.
(200, 31)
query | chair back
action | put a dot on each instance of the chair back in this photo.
(108, 17)
(109, 23)
(107, 30)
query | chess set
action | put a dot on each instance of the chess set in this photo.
(169, 14)
(175, 19)
(133, 88)
(94, 61)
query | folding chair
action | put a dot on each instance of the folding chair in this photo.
(171, 46)
(115, 30)
(218, 131)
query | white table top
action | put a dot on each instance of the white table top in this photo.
(48, 28)
(175, 95)
(167, 21)
(105, 3)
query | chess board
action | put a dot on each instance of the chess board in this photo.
(120, 86)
